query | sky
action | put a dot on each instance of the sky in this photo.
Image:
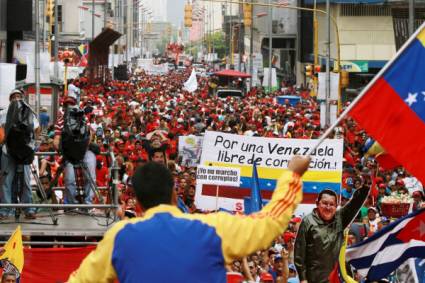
(166, 10)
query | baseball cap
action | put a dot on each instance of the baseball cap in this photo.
(291, 266)
(373, 209)
(349, 181)
(296, 219)
(15, 91)
(266, 277)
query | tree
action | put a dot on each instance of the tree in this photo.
(216, 42)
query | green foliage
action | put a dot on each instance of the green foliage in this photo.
(213, 42)
(216, 41)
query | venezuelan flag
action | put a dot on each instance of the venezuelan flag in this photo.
(313, 182)
(339, 273)
(392, 107)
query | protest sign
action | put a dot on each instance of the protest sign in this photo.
(224, 176)
(271, 156)
(190, 148)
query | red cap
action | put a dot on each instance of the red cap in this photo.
(296, 220)
(288, 236)
(266, 277)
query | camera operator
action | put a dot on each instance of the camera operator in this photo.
(9, 164)
(89, 158)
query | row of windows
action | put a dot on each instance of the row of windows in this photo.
(350, 10)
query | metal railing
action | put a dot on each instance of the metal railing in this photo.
(113, 170)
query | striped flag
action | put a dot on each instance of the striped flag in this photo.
(379, 255)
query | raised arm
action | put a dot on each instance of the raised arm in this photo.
(350, 210)
(242, 235)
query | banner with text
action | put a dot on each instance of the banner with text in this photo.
(219, 176)
(271, 156)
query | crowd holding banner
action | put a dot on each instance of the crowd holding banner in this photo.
(271, 155)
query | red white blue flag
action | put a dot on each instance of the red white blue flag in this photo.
(381, 254)
(392, 110)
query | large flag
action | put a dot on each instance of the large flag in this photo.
(379, 255)
(339, 273)
(256, 201)
(12, 260)
(191, 84)
(392, 110)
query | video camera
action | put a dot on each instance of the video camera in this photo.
(19, 130)
(75, 136)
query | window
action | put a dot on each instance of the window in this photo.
(350, 10)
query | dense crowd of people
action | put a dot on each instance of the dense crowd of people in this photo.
(141, 119)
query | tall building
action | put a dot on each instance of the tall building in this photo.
(158, 8)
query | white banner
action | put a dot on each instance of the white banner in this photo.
(219, 176)
(271, 156)
(190, 148)
(266, 78)
(7, 82)
(44, 68)
(73, 72)
(269, 152)
(22, 49)
(322, 86)
(144, 63)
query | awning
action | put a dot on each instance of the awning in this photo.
(99, 52)
(311, 2)
(232, 73)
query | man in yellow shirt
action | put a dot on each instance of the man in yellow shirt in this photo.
(168, 246)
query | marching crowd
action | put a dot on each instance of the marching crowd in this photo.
(141, 119)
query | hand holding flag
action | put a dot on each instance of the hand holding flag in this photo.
(12, 258)
(391, 108)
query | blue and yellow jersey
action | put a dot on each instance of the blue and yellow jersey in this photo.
(168, 246)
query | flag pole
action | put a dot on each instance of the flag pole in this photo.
(365, 90)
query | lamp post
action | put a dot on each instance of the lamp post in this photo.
(270, 45)
(328, 61)
(92, 19)
(37, 57)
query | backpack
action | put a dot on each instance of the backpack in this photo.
(75, 137)
(19, 130)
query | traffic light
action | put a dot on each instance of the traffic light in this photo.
(247, 14)
(188, 15)
(49, 8)
(345, 79)
(309, 71)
